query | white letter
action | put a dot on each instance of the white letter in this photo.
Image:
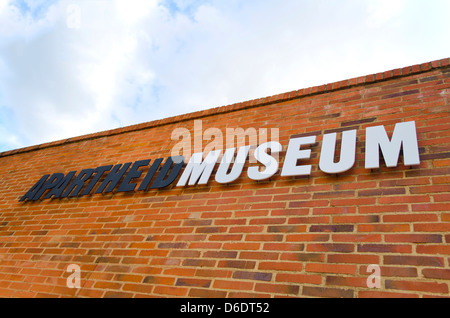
(217, 143)
(373, 281)
(236, 170)
(347, 157)
(73, 281)
(198, 136)
(294, 153)
(196, 169)
(183, 147)
(263, 138)
(240, 135)
(404, 134)
(73, 20)
(267, 160)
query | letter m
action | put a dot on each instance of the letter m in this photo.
(404, 135)
(197, 170)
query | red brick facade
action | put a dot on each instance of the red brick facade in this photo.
(283, 237)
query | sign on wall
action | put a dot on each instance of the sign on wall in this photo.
(199, 168)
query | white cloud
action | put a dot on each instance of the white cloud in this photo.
(381, 11)
(66, 72)
(65, 82)
(132, 12)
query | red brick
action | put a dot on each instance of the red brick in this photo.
(356, 237)
(277, 288)
(327, 292)
(140, 288)
(305, 236)
(299, 278)
(436, 273)
(413, 238)
(414, 260)
(346, 281)
(433, 249)
(205, 283)
(330, 247)
(238, 285)
(383, 294)
(384, 228)
(385, 248)
(432, 227)
(241, 246)
(353, 258)
(417, 286)
(393, 271)
(280, 266)
(331, 268)
(416, 217)
(171, 291)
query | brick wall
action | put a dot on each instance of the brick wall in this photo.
(284, 237)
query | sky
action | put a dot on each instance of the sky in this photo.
(69, 68)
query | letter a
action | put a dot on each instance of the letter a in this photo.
(374, 281)
(74, 280)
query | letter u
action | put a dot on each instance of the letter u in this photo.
(348, 152)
